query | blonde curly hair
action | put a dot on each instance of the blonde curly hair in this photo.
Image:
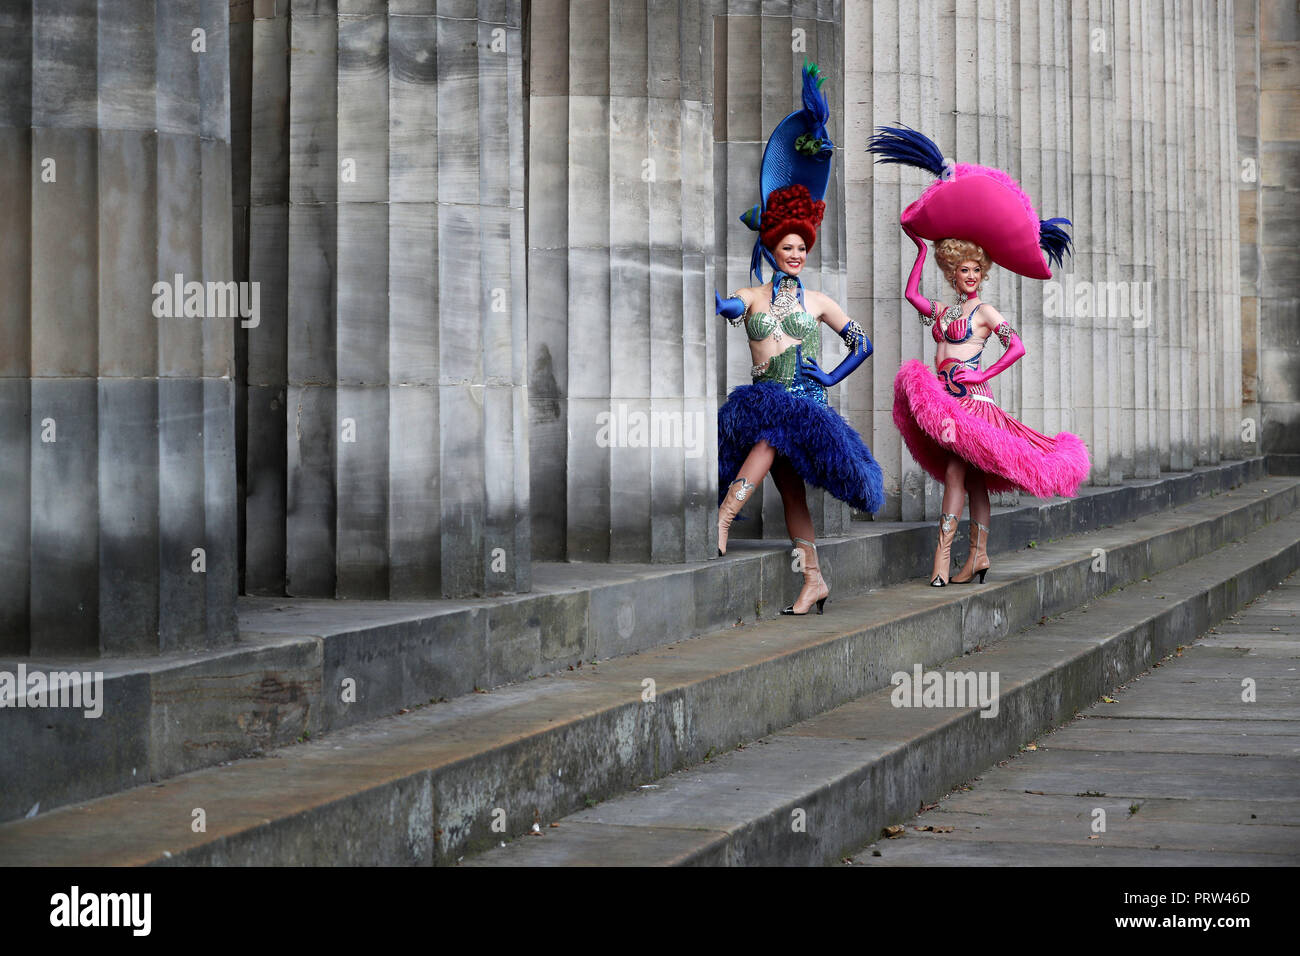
(951, 253)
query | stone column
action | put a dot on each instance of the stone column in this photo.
(1206, 271)
(624, 454)
(1095, 340)
(1247, 176)
(1233, 415)
(1043, 109)
(387, 437)
(117, 488)
(1279, 283)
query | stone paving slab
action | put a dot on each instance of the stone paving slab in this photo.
(1186, 772)
(981, 802)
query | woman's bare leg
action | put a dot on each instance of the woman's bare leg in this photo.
(798, 522)
(954, 486)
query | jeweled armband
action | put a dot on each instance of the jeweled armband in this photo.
(740, 319)
(853, 336)
(929, 320)
(1004, 332)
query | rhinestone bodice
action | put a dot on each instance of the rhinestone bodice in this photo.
(797, 325)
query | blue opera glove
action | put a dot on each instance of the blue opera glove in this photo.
(731, 308)
(859, 349)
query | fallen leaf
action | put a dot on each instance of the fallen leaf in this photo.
(1039, 792)
(931, 828)
(554, 825)
(1031, 746)
(897, 830)
(1095, 836)
(1108, 700)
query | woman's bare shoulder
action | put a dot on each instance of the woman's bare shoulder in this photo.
(988, 316)
(749, 294)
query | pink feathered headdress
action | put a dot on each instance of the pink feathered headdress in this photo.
(977, 203)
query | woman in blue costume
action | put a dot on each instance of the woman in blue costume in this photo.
(782, 423)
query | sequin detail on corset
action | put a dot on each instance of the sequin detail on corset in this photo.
(780, 369)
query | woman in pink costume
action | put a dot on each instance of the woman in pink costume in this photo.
(949, 419)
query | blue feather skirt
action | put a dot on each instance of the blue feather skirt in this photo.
(823, 448)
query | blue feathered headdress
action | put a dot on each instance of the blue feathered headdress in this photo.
(799, 151)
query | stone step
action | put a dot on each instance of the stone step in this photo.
(826, 786)
(1188, 785)
(298, 659)
(429, 785)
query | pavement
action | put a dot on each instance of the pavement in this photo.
(1195, 762)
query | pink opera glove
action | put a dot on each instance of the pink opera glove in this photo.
(919, 302)
(1013, 352)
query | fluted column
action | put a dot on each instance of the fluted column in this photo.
(1279, 284)
(1095, 342)
(1229, 238)
(1043, 109)
(624, 449)
(117, 494)
(387, 431)
(1247, 177)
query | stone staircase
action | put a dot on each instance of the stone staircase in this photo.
(675, 688)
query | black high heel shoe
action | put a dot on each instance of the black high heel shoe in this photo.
(812, 580)
(979, 541)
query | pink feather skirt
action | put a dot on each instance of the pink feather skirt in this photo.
(936, 423)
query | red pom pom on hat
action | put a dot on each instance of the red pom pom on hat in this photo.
(791, 210)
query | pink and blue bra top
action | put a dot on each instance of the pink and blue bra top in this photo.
(958, 330)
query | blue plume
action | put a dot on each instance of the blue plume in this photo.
(814, 101)
(1054, 240)
(756, 259)
(907, 147)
